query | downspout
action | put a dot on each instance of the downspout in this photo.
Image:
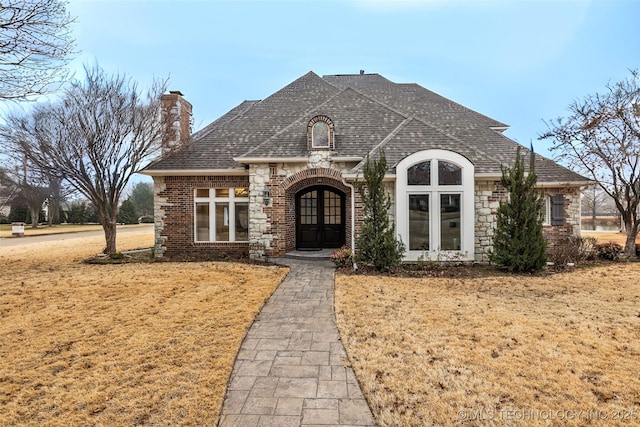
(353, 222)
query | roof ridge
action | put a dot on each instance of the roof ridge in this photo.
(385, 105)
(423, 96)
(384, 142)
(219, 121)
(459, 140)
(263, 143)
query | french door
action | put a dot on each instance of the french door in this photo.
(320, 221)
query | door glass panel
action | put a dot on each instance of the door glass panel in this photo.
(450, 222)
(222, 222)
(419, 174)
(418, 222)
(309, 208)
(449, 173)
(332, 208)
(242, 222)
(202, 222)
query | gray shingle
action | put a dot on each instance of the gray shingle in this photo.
(369, 112)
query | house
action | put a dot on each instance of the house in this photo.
(276, 175)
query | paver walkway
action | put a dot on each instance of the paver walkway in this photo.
(291, 369)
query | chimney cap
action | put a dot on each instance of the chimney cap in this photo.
(361, 72)
(176, 92)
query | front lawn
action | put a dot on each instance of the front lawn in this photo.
(496, 350)
(125, 344)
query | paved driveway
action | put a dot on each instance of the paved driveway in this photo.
(29, 240)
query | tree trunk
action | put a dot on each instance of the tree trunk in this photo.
(630, 243)
(54, 211)
(109, 227)
(35, 216)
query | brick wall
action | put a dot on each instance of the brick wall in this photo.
(176, 113)
(174, 219)
(272, 227)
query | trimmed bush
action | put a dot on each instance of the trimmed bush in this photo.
(573, 249)
(343, 257)
(609, 251)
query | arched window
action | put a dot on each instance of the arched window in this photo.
(435, 205)
(320, 133)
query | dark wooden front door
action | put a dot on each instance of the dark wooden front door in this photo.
(320, 218)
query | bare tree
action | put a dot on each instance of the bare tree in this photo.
(7, 190)
(102, 132)
(601, 138)
(596, 202)
(30, 185)
(35, 47)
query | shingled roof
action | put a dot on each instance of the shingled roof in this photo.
(369, 112)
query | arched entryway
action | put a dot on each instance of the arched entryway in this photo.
(320, 218)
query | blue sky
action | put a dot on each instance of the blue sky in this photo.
(518, 62)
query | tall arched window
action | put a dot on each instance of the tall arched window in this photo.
(435, 205)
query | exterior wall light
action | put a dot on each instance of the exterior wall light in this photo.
(266, 196)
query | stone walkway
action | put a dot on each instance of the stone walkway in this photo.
(292, 369)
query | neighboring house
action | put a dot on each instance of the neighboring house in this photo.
(277, 175)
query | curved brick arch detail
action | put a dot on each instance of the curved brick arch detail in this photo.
(304, 179)
(317, 173)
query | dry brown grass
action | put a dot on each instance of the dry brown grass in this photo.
(429, 351)
(6, 229)
(608, 236)
(122, 344)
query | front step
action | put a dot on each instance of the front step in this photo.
(319, 255)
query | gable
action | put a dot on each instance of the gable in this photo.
(360, 124)
(369, 113)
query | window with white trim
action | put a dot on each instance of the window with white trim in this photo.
(435, 205)
(547, 210)
(556, 209)
(221, 215)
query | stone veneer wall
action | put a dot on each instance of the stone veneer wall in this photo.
(174, 223)
(272, 230)
(488, 195)
(272, 226)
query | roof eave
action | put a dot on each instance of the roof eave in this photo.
(194, 172)
(347, 159)
(564, 184)
(248, 160)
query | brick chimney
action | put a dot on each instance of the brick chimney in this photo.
(176, 112)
